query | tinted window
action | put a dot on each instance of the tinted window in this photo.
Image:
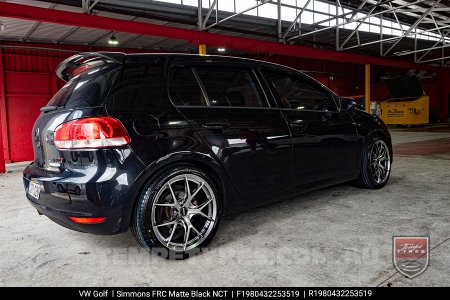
(300, 93)
(184, 88)
(87, 89)
(226, 86)
(140, 87)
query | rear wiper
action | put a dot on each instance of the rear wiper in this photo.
(48, 108)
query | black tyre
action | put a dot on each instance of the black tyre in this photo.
(177, 213)
(375, 163)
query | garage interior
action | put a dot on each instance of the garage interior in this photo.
(340, 236)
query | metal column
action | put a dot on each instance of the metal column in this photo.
(367, 87)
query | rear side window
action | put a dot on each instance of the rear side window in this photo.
(296, 92)
(229, 86)
(139, 87)
(184, 88)
(88, 89)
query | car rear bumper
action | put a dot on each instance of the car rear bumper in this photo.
(83, 194)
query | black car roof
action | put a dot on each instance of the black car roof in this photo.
(142, 56)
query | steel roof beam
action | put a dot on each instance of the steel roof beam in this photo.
(413, 26)
(344, 23)
(237, 14)
(212, 39)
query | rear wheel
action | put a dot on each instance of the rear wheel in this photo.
(375, 163)
(177, 213)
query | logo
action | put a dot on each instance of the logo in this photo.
(411, 254)
(37, 138)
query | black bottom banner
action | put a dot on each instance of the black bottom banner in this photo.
(211, 293)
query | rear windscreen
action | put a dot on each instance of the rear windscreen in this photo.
(87, 89)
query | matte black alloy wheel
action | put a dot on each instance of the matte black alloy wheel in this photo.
(380, 161)
(184, 212)
(376, 163)
(178, 210)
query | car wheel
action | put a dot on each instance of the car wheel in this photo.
(177, 213)
(375, 164)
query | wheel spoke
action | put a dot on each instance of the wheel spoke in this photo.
(166, 224)
(196, 231)
(189, 200)
(199, 188)
(201, 207)
(187, 188)
(187, 231)
(198, 212)
(191, 226)
(165, 204)
(171, 234)
(172, 193)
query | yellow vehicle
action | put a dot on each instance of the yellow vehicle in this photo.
(408, 104)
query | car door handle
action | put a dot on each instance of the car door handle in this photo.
(215, 126)
(326, 117)
(300, 126)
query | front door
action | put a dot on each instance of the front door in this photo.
(325, 141)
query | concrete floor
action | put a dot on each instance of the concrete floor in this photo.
(337, 236)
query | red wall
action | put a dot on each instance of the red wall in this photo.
(27, 82)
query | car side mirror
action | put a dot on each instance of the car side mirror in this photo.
(347, 103)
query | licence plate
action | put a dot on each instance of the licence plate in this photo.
(34, 189)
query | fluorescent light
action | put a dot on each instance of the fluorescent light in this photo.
(113, 40)
(221, 49)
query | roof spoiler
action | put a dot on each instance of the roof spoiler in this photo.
(67, 67)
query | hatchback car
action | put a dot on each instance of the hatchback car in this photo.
(166, 144)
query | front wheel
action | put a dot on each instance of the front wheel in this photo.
(375, 163)
(177, 213)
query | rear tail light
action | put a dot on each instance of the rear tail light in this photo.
(82, 220)
(88, 133)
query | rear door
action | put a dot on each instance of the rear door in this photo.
(325, 142)
(228, 107)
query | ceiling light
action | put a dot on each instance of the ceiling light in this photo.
(112, 40)
(221, 49)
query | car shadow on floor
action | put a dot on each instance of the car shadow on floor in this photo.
(256, 220)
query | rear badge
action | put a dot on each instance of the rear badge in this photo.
(411, 254)
(37, 138)
(60, 160)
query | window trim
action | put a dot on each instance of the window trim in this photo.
(201, 85)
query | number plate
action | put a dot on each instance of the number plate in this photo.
(34, 189)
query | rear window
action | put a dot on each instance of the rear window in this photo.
(184, 88)
(87, 89)
(139, 87)
(230, 86)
